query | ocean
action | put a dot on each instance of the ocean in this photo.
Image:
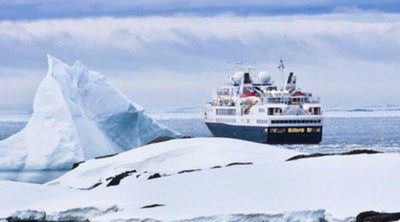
(375, 128)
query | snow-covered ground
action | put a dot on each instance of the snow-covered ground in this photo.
(77, 115)
(250, 179)
(170, 158)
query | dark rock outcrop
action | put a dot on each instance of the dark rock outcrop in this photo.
(373, 216)
(304, 156)
(159, 140)
(188, 171)
(75, 165)
(154, 176)
(105, 156)
(93, 186)
(313, 155)
(364, 151)
(152, 206)
(117, 179)
(238, 163)
(69, 215)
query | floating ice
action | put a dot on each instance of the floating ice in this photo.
(77, 115)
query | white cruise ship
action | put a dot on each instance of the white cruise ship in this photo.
(251, 107)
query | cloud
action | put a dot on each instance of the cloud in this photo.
(40, 9)
(165, 56)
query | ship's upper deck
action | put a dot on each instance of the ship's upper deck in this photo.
(249, 90)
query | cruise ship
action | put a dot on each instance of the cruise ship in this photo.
(252, 107)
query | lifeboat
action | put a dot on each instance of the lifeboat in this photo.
(298, 93)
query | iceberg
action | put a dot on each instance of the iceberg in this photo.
(77, 115)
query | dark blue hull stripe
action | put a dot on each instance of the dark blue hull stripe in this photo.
(270, 135)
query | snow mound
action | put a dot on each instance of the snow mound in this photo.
(172, 157)
(75, 214)
(254, 182)
(86, 214)
(77, 115)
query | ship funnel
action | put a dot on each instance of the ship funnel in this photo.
(291, 82)
(247, 79)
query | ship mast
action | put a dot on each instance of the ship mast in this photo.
(281, 68)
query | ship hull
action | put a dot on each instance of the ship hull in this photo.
(268, 135)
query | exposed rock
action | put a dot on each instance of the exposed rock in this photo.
(75, 165)
(105, 156)
(160, 139)
(117, 179)
(93, 186)
(152, 206)
(188, 171)
(373, 216)
(165, 138)
(70, 215)
(304, 156)
(364, 151)
(314, 216)
(238, 163)
(154, 176)
(216, 167)
(27, 215)
(353, 152)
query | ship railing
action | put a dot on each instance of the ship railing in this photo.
(275, 100)
(288, 101)
(314, 100)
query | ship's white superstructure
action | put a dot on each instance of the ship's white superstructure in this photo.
(252, 107)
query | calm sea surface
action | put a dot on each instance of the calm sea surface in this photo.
(343, 131)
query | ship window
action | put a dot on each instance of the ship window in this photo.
(225, 120)
(294, 121)
(270, 111)
(223, 92)
(277, 130)
(315, 110)
(296, 130)
(226, 112)
(262, 121)
(313, 130)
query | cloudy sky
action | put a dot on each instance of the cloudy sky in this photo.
(166, 54)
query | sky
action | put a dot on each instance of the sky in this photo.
(168, 54)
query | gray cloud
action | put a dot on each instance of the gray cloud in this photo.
(336, 55)
(39, 9)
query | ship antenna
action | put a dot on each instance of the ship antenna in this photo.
(281, 68)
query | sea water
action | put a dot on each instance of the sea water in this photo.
(376, 128)
(344, 130)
